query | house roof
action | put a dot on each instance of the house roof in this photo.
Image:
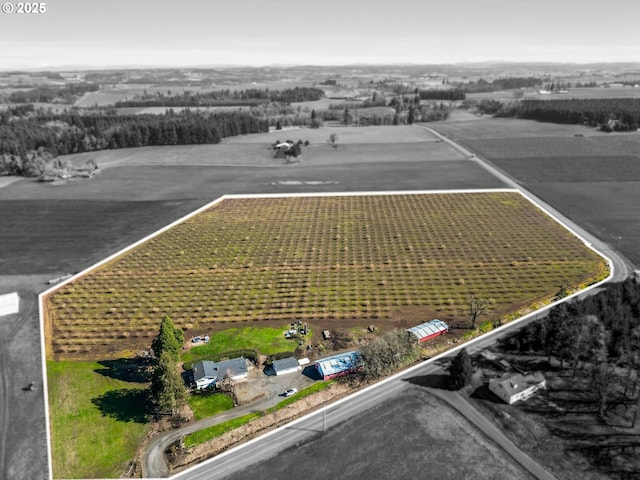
(428, 328)
(516, 383)
(209, 369)
(285, 364)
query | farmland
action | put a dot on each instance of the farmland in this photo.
(592, 178)
(353, 259)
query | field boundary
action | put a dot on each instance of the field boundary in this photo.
(42, 297)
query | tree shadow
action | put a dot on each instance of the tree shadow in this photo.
(434, 380)
(483, 393)
(135, 370)
(124, 405)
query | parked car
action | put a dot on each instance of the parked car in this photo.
(291, 391)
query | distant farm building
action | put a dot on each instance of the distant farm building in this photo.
(285, 365)
(516, 387)
(339, 365)
(9, 304)
(207, 373)
(428, 330)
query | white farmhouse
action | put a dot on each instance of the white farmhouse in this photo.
(206, 373)
(516, 387)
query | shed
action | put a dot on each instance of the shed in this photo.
(9, 303)
(207, 373)
(428, 330)
(285, 365)
(339, 365)
(516, 387)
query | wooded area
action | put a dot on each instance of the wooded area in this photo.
(599, 335)
(28, 135)
(248, 97)
(619, 114)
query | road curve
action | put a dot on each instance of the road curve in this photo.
(153, 459)
(622, 268)
(314, 424)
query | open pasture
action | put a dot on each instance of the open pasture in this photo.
(353, 259)
(488, 128)
(399, 135)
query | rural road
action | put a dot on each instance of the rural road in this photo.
(12, 323)
(622, 268)
(313, 425)
(460, 403)
(153, 461)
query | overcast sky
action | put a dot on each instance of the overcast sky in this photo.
(326, 32)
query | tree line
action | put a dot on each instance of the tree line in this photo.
(620, 114)
(251, 96)
(599, 334)
(50, 94)
(507, 83)
(28, 133)
(441, 94)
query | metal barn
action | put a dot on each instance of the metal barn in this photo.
(427, 330)
(339, 365)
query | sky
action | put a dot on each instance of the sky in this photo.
(98, 33)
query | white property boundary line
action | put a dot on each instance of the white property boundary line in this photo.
(84, 272)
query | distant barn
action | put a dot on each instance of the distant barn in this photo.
(428, 330)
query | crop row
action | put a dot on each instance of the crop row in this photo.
(357, 258)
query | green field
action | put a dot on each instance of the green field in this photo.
(209, 404)
(350, 259)
(265, 340)
(97, 422)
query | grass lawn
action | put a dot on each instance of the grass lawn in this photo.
(97, 422)
(208, 405)
(207, 434)
(266, 340)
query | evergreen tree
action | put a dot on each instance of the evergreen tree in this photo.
(460, 370)
(168, 392)
(169, 340)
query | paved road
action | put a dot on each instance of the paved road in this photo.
(460, 403)
(14, 323)
(311, 425)
(622, 268)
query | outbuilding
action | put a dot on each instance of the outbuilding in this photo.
(207, 373)
(428, 330)
(9, 304)
(516, 387)
(285, 365)
(339, 365)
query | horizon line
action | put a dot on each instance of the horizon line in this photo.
(309, 65)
